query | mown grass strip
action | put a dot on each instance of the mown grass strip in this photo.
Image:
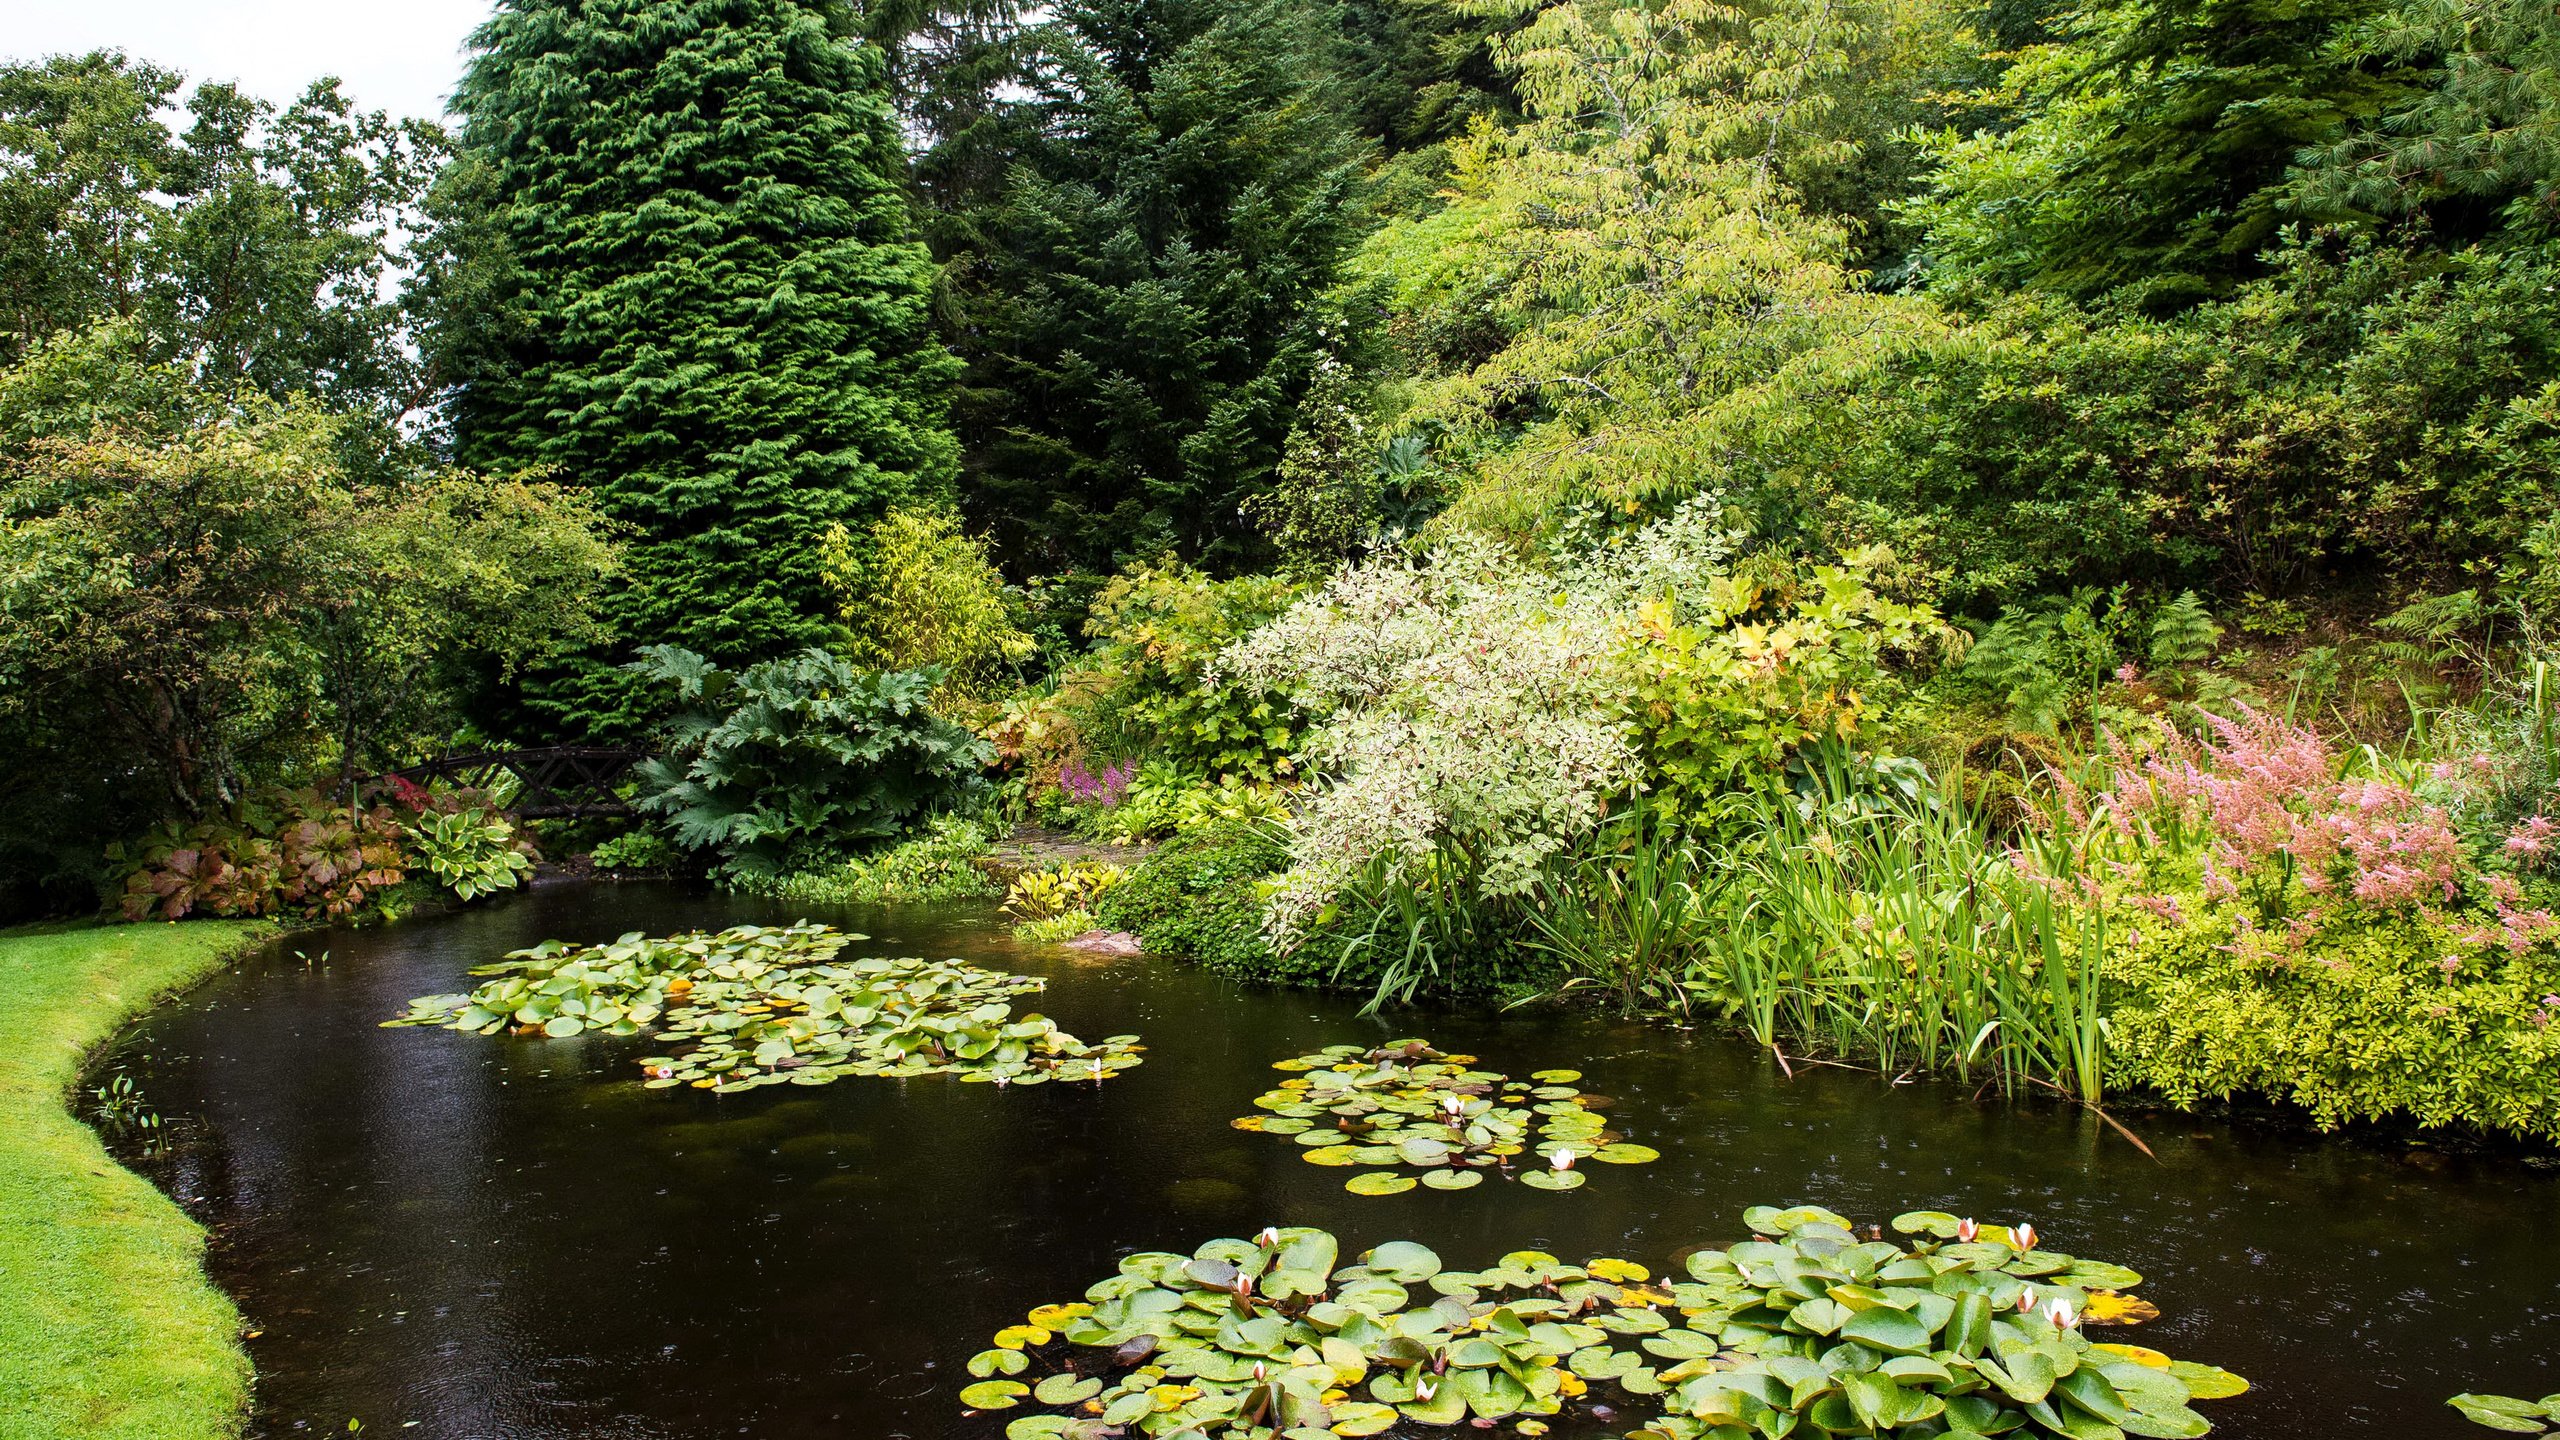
(109, 1329)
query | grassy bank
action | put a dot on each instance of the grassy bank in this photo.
(108, 1328)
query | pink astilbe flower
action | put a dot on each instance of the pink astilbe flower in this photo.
(2532, 841)
(1107, 788)
(2265, 802)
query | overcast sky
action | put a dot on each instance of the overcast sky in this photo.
(398, 55)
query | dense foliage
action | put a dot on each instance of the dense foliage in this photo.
(1135, 296)
(204, 593)
(678, 274)
(789, 763)
(2016, 544)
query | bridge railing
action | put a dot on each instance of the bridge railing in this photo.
(552, 783)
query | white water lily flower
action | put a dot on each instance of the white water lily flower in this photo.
(1562, 1159)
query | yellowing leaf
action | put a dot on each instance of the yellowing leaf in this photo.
(2108, 1308)
(1618, 1270)
(1015, 1337)
(2138, 1354)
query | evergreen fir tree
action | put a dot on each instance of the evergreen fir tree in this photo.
(682, 274)
(1137, 303)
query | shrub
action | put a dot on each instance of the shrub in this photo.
(1145, 688)
(1127, 807)
(1462, 704)
(298, 853)
(790, 763)
(471, 852)
(1760, 663)
(922, 593)
(1199, 896)
(2357, 1016)
(634, 850)
(940, 863)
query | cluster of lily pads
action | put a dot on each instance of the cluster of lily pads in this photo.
(765, 1005)
(1407, 1104)
(1807, 1329)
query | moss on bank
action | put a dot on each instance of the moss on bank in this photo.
(109, 1329)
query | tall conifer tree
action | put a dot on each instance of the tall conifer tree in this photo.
(1138, 304)
(681, 273)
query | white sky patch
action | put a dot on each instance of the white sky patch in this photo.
(404, 56)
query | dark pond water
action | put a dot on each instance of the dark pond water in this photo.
(455, 1236)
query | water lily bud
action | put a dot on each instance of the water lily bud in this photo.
(1562, 1159)
(2025, 1235)
(1966, 1230)
(2062, 1315)
(1270, 1236)
(1259, 1372)
(1425, 1388)
(2026, 1301)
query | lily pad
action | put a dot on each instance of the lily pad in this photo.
(994, 1394)
(1409, 1106)
(1379, 1182)
(1271, 1336)
(765, 1005)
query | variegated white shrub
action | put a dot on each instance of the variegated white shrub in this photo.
(1463, 701)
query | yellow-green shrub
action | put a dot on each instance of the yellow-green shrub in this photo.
(2370, 1016)
(923, 593)
(1722, 692)
(1047, 894)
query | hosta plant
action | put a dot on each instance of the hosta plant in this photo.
(1046, 894)
(764, 1005)
(1407, 1105)
(1806, 1330)
(471, 852)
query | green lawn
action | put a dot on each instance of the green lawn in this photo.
(108, 1328)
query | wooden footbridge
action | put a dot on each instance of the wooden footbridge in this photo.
(555, 783)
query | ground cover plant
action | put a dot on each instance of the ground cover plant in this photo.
(1961, 1330)
(938, 862)
(768, 1005)
(1408, 1105)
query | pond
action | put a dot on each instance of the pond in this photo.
(509, 1239)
